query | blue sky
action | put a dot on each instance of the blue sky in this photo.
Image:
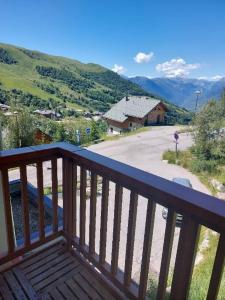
(175, 38)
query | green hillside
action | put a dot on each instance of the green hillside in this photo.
(32, 77)
(39, 80)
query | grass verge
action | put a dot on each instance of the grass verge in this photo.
(203, 269)
(205, 170)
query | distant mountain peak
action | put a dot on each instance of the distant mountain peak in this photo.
(180, 90)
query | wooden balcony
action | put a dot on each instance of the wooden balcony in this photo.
(77, 258)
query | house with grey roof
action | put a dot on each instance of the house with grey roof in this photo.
(133, 112)
(50, 114)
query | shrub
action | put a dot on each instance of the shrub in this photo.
(170, 156)
(198, 166)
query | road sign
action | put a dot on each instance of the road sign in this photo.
(176, 135)
(88, 131)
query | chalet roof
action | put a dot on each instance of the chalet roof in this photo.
(131, 106)
(44, 112)
(47, 112)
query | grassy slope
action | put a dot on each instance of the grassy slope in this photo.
(23, 74)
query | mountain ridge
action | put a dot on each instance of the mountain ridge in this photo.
(181, 91)
(38, 76)
(40, 81)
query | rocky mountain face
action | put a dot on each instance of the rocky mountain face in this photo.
(182, 91)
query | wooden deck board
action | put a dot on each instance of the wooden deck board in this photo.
(66, 292)
(24, 283)
(80, 294)
(51, 274)
(4, 289)
(15, 287)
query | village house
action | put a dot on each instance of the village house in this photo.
(133, 112)
(50, 114)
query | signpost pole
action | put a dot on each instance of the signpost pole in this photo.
(176, 136)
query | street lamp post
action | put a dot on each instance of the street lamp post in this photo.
(197, 93)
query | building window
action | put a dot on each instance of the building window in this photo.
(130, 124)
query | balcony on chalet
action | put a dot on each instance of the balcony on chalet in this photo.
(89, 239)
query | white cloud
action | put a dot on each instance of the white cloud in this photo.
(141, 57)
(118, 69)
(203, 78)
(217, 77)
(176, 67)
(212, 78)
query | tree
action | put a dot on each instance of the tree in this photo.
(209, 134)
(60, 134)
(94, 135)
(20, 130)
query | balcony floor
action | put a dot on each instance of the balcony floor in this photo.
(52, 274)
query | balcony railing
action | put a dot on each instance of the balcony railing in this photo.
(80, 171)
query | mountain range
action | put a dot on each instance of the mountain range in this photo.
(182, 91)
(42, 81)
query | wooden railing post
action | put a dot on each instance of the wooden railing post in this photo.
(3, 228)
(166, 254)
(186, 252)
(68, 209)
(149, 226)
(130, 238)
(218, 269)
(8, 212)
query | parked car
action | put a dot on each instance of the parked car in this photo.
(185, 182)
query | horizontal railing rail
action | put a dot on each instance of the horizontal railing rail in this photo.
(80, 165)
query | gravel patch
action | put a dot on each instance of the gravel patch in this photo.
(33, 216)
